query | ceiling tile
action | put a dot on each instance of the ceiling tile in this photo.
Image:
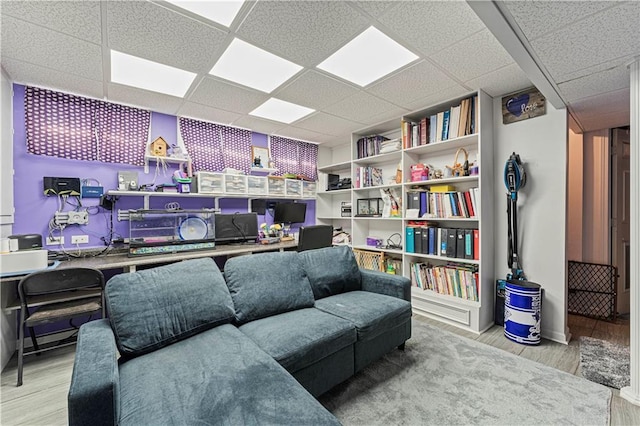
(203, 112)
(362, 108)
(259, 125)
(314, 90)
(429, 26)
(538, 18)
(34, 75)
(327, 124)
(602, 104)
(302, 134)
(156, 33)
(80, 19)
(473, 57)
(375, 8)
(598, 39)
(501, 82)
(416, 82)
(594, 84)
(219, 94)
(605, 121)
(444, 95)
(305, 32)
(51, 49)
(143, 98)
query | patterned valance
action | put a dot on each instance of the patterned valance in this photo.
(294, 156)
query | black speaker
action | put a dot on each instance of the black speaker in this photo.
(332, 182)
(259, 206)
(498, 318)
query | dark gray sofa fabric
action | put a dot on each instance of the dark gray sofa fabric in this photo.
(331, 270)
(383, 283)
(94, 393)
(153, 308)
(266, 284)
(216, 377)
(371, 313)
(300, 338)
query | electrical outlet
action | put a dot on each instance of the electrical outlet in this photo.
(79, 239)
(54, 241)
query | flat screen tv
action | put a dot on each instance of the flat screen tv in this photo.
(290, 213)
(236, 228)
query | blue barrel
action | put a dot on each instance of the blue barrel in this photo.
(522, 312)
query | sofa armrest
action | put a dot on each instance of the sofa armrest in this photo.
(387, 284)
(94, 391)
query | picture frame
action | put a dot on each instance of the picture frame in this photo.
(260, 157)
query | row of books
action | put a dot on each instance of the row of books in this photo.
(462, 204)
(448, 242)
(371, 145)
(459, 120)
(453, 280)
(368, 176)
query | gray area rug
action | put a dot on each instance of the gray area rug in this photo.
(444, 379)
(605, 362)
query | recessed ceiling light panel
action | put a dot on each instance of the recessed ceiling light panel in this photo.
(282, 111)
(251, 66)
(222, 12)
(368, 57)
(144, 74)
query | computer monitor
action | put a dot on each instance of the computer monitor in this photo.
(236, 227)
(314, 237)
(288, 213)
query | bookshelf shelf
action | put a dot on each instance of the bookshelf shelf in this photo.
(474, 134)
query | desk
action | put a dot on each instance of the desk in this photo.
(11, 301)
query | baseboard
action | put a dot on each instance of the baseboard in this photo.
(557, 336)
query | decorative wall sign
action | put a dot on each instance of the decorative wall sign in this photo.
(523, 105)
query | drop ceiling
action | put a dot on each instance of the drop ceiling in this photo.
(580, 50)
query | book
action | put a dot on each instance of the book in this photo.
(454, 121)
(476, 244)
(439, 124)
(445, 125)
(424, 131)
(432, 249)
(433, 124)
(444, 233)
(468, 243)
(424, 210)
(464, 111)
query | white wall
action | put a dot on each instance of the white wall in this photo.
(595, 225)
(7, 321)
(575, 193)
(541, 143)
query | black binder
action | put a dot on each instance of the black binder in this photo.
(460, 243)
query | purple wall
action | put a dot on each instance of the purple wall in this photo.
(33, 210)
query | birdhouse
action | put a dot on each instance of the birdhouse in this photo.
(159, 147)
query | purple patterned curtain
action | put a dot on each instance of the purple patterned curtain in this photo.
(62, 125)
(213, 147)
(122, 133)
(293, 156)
(202, 141)
(59, 125)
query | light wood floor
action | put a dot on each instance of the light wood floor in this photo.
(42, 399)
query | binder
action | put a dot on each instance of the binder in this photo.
(452, 236)
(468, 243)
(444, 232)
(409, 239)
(426, 240)
(476, 244)
(417, 239)
(423, 203)
(432, 240)
(460, 243)
(413, 200)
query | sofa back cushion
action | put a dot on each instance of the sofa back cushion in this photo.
(267, 284)
(331, 270)
(153, 308)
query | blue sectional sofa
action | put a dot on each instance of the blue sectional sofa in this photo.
(185, 344)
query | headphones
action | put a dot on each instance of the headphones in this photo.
(515, 177)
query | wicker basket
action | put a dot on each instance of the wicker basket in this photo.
(373, 260)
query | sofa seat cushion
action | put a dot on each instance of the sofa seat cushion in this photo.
(331, 270)
(267, 284)
(216, 377)
(156, 307)
(371, 313)
(300, 338)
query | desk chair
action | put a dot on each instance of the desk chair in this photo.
(314, 237)
(58, 294)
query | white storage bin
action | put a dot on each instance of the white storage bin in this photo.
(235, 184)
(309, 188)
(276, 185)
(210, 182)
(293, 188)
(257, 185)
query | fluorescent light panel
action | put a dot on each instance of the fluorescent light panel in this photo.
(251, 66)
(282, 111)
(368, 57)
(144, 74)
(222, 12)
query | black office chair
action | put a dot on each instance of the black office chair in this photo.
(58, 295)
(314, 237)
